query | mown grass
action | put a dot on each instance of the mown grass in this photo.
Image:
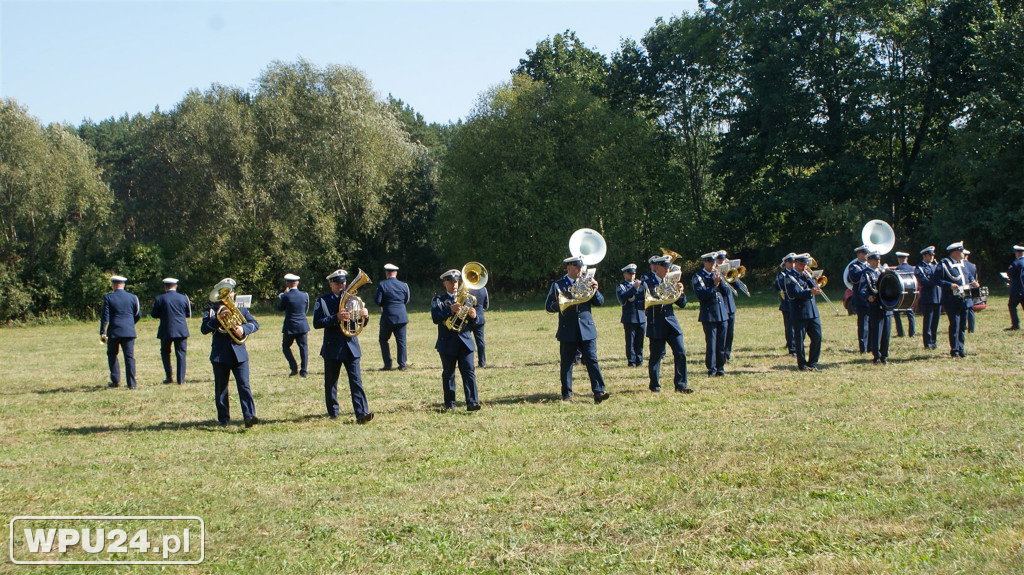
(913, 467)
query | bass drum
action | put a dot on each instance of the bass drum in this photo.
(897, 290)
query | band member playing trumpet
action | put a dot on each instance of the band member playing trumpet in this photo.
(926, 273)
(780, 286)
(121, 311)
(956, 281)
(576, 330)
(634, 320)
(1015, 274)
(340, 350)
(879, 318)
(229, 356)
(455, 347)
(294, 303)
(714, 313)
(663, 330)
(803, 312)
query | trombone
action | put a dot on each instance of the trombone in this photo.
(821, 280)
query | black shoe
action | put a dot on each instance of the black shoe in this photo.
(332, 415)
(654, 388)
(168, 380)
(365, 418)
(876, 361)
(600, 396)
(1012, 328)
(448, 407)
(132, 386)
(883, 362)
(222, 423)
(568, 399)
(683, 390)
(180, 382)
(252, 421)
(402, 368)
(293, 373)
(385, 368)
(473, 407)
(113, 384)
(303, 374)
(482, 365)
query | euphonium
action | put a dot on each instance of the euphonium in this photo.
(352, 303)
(224, 293)
(665, 293)
(474, 276)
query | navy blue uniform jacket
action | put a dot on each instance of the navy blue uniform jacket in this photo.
(449, 342)
(1016, 275)
(120, 313)
(223, 349)
(576, 323)
(294, 304)
(713, 306)
(949, 274)
(931, 290)
(661, 319)
(632, 301)
(801, 301)
(172, 309)
(336, 344)
(392, 295)
(483, 301)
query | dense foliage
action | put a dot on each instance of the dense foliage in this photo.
(757, 126)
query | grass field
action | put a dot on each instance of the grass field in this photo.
(913, 467)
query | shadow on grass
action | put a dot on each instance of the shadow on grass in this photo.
(76, 389)
(208, 425)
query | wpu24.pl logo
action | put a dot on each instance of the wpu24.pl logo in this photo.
(108, 540)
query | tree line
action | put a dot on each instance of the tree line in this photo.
(760, 127)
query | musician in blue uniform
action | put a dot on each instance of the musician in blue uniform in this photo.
(392, 296)
(230, 357)
(120, 313)
(853, 272)
(714, 313)
(956, 281)
(576, 330)
(786, 267)
(483, 303)
(339, 350)
(879, 318)
(294, 303)
(903, 266)
(973, 269)
(930, 298)
(173, 310)
(455, 347)
(663, 330)
(1015, 275)
(730, 302)
(803, 312)
(630, 294)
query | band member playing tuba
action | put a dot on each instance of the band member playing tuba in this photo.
(714, 313)
(227, 351)
(576, 329)
(663, 327)
(455, 342)
(339, 349)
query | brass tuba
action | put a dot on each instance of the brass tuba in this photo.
(351, 303)
(223, 292)
(589, 246)
(474, 276)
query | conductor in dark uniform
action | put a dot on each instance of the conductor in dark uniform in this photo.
(392, 296)
(173, 310)
(903, 266)
(339, 350)
(786, 268)
(120, 313)
(853, 272)
(230, 357)
(663, 330)
(630, 294)
(956, 279)
(879, 318)
(455, 347)
(1015, 275)
(803, 312)
(576, 331)
(714, 315)
(483, 303)
(730, 303)
(294, 303)
(930, 302)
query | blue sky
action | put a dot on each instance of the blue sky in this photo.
(69, 61)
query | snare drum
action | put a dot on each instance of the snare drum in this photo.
(897, 290)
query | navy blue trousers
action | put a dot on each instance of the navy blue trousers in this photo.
(221, 374)
(180, 348)
(286, 347)
(731, 324)
(386, 331)
(801, 329)
(1015, 300)
(957, 329)
(879, 333)
(588, 353)
(930, 322)
(127, 345)
(899, 323)
(464, 362)
(657, 351)
(787, 326)
(634, 343)
(332, 371)
(478, 338)
(862, 330)
(714, 346)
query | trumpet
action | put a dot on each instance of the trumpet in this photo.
(474, 276)
(224, 293)
(354, 305)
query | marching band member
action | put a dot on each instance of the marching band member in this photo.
(902, 265)
(483, 303)
(780, 286)
(955, 278)
(853, 273)
(392, 296)
(340, 350)
(803, 311)
(730, 302)
(172, 309)
(714, 313)
(930, 297)
(230, 357)
(1015, 274)
(294, 303)
(974, 272)
(663, 329)
(879, 318)
(576, 332)
(455, 349)
(120, 313)
(629, 292)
